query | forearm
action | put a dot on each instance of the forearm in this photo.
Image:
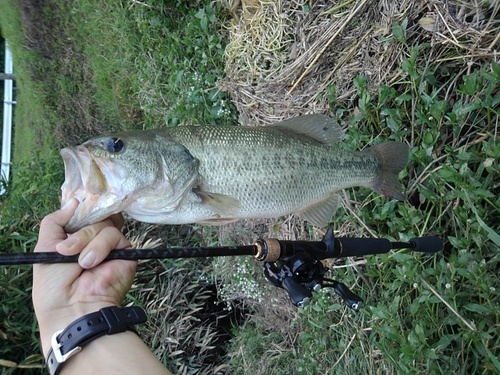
(119, 353)
(122, 353)
(81, 299)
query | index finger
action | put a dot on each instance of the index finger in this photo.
(52, 227)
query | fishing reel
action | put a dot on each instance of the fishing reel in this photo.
(302, 274)
(297, 266)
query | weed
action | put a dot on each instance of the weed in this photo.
(454, 141)
(33, 194)
(179, 76)
(256, 351)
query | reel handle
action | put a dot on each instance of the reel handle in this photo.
(351, 299)
(299, 295)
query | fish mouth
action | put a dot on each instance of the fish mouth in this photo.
(85, 180)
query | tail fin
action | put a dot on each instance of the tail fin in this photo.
(393, 157)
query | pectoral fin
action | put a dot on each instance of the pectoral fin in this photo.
(217, 221)
(224, 205)
(320, 213)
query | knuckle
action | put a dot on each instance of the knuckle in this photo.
(89, 231)
(46, 220)
(111, 232)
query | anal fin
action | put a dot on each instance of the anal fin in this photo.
(319, 214)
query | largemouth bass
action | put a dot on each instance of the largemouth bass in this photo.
(216, 175)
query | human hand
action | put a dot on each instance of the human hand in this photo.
(63, 293)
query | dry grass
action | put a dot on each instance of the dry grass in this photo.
(282, 55)
(187, 327)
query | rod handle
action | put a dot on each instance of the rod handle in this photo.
(427, 244)
(349, 247)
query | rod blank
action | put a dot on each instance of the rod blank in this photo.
(330, 247)
(10, 259)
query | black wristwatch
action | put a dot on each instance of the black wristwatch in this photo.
(106, 321)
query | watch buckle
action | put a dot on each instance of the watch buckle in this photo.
(56, 347)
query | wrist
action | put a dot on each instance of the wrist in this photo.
(52, 321)
(124, 353)
(67, 342)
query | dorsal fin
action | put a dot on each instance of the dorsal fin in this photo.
(318, 127)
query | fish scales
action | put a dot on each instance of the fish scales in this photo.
(279, 171)
(213, 175)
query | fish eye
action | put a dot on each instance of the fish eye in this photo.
(114, 144)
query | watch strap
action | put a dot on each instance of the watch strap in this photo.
(106, 321)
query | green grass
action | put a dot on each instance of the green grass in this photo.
(33, 120)
(179, 75)
(30, 196)
(104, 67)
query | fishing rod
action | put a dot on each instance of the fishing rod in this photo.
(293, 265)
